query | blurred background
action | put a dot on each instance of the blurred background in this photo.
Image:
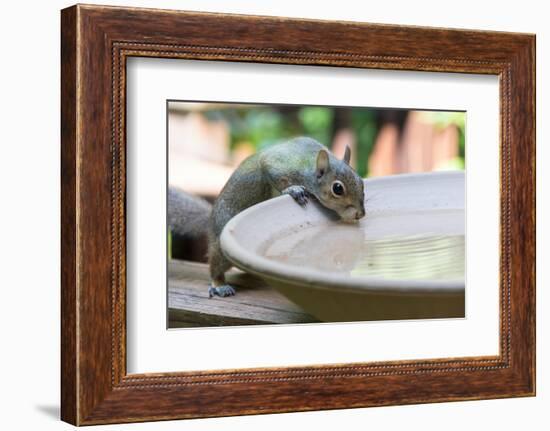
(207, 141)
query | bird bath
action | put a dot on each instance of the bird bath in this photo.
(404, 260)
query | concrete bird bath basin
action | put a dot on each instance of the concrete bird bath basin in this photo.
(404, 260)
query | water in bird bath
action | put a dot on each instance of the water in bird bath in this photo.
(412, 245)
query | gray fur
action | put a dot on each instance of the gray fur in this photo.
(187, 214)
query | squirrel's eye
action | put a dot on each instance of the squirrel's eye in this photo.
(337, 188)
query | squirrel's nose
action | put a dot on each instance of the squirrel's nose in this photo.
(360, 213)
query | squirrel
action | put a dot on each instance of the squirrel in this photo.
(187, 214)
(301, 167)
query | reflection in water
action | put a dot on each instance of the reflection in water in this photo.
(415, 257)
(384, 248)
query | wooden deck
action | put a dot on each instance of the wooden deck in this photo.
(254, 304)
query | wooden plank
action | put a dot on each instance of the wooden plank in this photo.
(255, 302)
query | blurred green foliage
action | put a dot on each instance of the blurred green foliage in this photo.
(442, 119)
(265, 125)
(316, 122)
(366, 129)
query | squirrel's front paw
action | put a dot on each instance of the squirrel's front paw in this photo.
(298, 193)
(223, 291)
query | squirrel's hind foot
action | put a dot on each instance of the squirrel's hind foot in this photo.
(222, 291)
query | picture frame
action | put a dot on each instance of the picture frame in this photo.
(96, 42)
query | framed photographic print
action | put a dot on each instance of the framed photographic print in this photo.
(263, 214)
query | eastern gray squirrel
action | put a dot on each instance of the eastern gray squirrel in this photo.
(302, 168)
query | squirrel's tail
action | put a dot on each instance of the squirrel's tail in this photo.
(187, 214)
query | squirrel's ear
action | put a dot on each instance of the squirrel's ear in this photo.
(322, 163)
(347, 155)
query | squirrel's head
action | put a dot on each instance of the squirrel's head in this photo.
(339, 186)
